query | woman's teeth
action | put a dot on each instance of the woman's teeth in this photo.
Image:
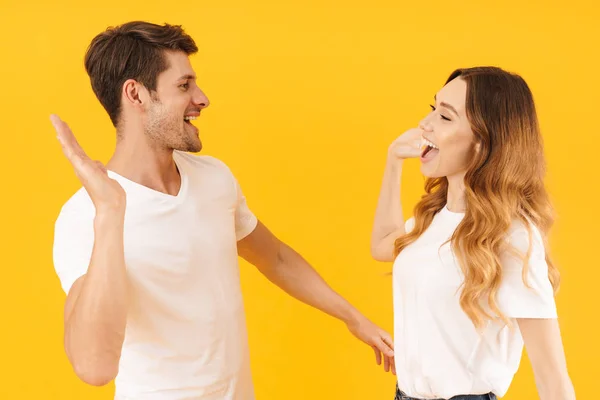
(425, 142)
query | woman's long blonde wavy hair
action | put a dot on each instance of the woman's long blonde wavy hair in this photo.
(503, 183)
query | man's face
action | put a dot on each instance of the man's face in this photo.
(175, 104)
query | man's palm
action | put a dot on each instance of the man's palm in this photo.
(106, 193)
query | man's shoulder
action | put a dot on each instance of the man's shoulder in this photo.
(78, 206)
(76, 215)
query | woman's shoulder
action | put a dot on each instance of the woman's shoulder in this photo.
(409, 224)
(525, 237)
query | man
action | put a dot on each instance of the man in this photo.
(147, 249)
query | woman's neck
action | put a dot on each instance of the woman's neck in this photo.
(455, 198)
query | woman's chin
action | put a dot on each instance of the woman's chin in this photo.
(429, 172)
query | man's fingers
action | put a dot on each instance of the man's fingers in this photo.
(387, 339)
(62, 130)
(386, 364)
(384, 348)
(377, 355)
(63, 135)
(66, 138)
(389, 362)
(55, 120)
(70, 147)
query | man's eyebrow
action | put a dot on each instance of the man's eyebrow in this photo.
(187, 77)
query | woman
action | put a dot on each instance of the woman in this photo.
(472, 281)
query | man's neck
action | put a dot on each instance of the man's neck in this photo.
(139, 161)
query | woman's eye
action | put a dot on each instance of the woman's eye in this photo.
(442, 116)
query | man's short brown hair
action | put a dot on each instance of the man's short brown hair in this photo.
(134, 50)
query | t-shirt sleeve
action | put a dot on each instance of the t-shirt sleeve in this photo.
(409, 225)
(73, 244)
(245, 220)
(514, 298)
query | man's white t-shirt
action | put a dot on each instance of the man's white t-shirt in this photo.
(438, 352)
(186, 331)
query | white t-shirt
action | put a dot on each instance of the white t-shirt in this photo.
(438, 352)
(186, 331)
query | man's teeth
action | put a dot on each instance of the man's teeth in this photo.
(190, 118)
(425, 142)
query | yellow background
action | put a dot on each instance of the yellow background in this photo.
(306, 96)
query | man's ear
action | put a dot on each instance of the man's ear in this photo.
(134, 93)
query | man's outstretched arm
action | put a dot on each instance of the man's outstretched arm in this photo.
(283, 266)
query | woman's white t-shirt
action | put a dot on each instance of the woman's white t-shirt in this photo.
(438, 351)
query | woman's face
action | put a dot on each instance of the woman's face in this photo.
(447, 136)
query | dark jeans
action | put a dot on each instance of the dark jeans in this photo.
(400, 395)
